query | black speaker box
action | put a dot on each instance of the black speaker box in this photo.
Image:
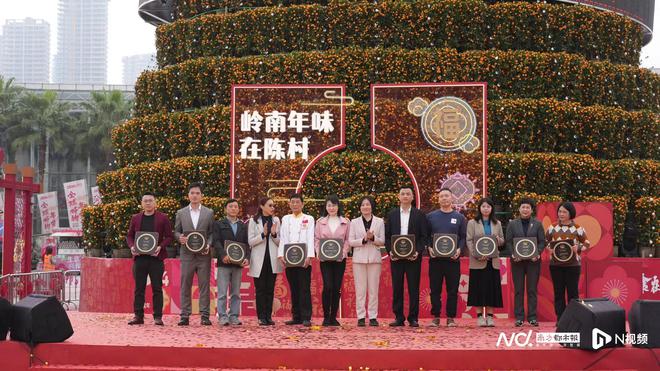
(583, 315)
(644, 318)
(5, 318)
(40, 319)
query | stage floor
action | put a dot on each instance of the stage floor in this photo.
(104, 341)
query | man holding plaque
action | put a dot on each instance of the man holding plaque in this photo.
(446, 222)
(525, 271)
(298, 228)
(194, 231)
(229, 231)
(158, 231)
(566, 241)
(405, 221)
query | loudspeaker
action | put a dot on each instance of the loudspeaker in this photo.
(40, 319)
(644, 318)
(5, 318)
(599, 321)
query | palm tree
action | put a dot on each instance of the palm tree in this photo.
(9, 98)
(42, 121)
(93, 130)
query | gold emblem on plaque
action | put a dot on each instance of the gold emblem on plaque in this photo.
(448, 123)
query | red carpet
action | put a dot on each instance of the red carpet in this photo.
(105, 342)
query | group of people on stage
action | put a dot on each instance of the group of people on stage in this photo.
(363, 237)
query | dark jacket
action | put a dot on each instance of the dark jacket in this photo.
(417, 225)
(515, 230)
(222, 231)
(162, 226)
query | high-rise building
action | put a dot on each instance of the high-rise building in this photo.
(82, 42)
(134, 65)
(25, 50)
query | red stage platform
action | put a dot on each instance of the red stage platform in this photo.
(105, 342)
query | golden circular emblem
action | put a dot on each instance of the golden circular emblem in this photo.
(447, 123)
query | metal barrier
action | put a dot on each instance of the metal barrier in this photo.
(15, 287)
(71, 289)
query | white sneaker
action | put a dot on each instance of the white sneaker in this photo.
(481, 321)
(490, 321)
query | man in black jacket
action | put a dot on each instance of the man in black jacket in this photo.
(229, 276)
(406, 220)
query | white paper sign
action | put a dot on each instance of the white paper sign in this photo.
(76, 197)
(50, 218)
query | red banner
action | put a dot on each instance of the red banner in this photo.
(107, 286)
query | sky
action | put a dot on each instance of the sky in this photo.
(128, 34)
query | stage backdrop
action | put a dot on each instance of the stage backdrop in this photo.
(107, 284)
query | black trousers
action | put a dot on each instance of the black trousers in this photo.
(565, 282)
(449, 271)
(264, 287)
(153, 267)
(301, 297)
(333, 276)
(411, 271)
(525, 278)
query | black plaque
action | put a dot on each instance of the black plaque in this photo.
(486, 247)
(444, 245)
(331, 249)
(295, 254)
(237, 252)
(146, 243)
(562, 251)
(196, 241)
(403, 246)
(525, 248)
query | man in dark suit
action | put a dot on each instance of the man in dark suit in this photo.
(229, 228)
(404, 220)
(525, 226)
(195, 217)
(149, 220)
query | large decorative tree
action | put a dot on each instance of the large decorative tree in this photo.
(571, 113)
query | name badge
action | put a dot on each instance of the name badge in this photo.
(453, 220)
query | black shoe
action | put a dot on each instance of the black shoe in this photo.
(158, 322)
(263, 322)
(293, 322)
(136, 321)
(183, 322)
(519, 323)
(397, 323)
(534, 323)
(373, 322)
(326, 322)
(307, 323)
(413, 323)
(335, 323)
(205, 322)
(361, 322)
(270, 322)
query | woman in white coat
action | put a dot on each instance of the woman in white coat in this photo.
(366, 237)
(264, 265)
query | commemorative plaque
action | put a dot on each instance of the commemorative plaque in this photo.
(331, 249)
(562, 251)
(146, 243)
(196, 241)
(486, 247)
(237, 252)
(524, 248)
(444, 245)
(403, 246)
(295, 254)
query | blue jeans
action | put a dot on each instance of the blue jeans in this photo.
(229, 278)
